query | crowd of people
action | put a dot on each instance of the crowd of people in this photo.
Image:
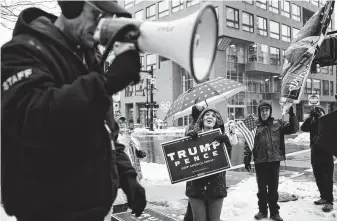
(65, 157)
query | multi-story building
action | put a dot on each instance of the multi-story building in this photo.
(253, 38)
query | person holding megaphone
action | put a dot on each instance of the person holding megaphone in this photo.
(57, 159)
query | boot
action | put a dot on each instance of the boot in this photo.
(320, 202)
(276, 217)
(327, 207)
(261, 215)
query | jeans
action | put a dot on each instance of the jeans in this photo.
(201, 209)
(267, 176)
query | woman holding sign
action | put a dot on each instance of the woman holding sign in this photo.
(206, 194)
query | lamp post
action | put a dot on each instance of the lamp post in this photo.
(151, 104)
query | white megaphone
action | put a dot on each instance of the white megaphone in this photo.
(190, 41)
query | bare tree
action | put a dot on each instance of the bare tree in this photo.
(10, 9)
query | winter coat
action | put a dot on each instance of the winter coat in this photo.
(318, 154)
(269, 143)
(57, 162)
(213, 186)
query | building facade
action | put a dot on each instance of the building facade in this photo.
(253, 38)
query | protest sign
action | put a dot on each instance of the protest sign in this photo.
(188, 159)
(313, 100)
(147, 215)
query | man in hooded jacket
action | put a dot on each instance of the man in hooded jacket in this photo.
(268, 151)
(57, 161)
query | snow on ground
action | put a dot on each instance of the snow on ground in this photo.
(302, 138)
(241, 202)
(169, 130)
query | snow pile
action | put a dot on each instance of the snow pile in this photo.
(302, 138)
(169, 130)
(241, 202)
(154, 172)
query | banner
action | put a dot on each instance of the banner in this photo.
(188, 159)
(300, 55)
(147, 215)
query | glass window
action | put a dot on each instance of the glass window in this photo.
(274, 29)
(325, 87)
(163, 8)
(316, 86)
(308, 86)
(151, 61)
(331, 89)
(261, 4)
(232, 19)
(286, 35)
(283, 55)
(275, 56)
(247, 22)
(296, 12)
(177, 5)
(261, 26)
(151, 12)
(273, 6)
(285, 8)
(248, 1)
(190, 3)
(187, 81)
(138, 1)
(252, 52)
(128, 3)
(324, 70)
(295, 32)
(263, 54)
(139, 15)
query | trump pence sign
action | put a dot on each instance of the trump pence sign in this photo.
(188, 159)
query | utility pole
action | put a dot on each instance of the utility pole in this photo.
(151, 99)
(147, 103)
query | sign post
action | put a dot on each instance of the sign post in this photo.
(187, 159)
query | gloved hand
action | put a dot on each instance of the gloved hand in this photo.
(222, 138)
(124, 70)
(136, 197)
(291, 111)
(140, 154)
(193, 134)
(247, 160)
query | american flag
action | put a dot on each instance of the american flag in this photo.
(212, 91)
(248, 129)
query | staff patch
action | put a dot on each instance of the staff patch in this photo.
(16, 78)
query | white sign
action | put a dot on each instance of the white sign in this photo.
(313, 100)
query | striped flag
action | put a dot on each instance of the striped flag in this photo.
(248, 129)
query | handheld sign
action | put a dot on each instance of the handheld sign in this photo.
(187, 159)
(313, 100)
(148, 214)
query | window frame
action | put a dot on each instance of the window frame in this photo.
(260, 30)
(271, 33)
(272, 6)
(230, 21)
(190, 3)
(250, 27)
(295, 16)
(177, 7)
(278, 56)
(285, 38)
(165, 12)
(261, 4)
(153, 16)
(284, 12)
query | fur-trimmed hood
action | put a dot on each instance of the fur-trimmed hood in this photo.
(219, 121)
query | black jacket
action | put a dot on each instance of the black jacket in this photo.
(311, 126)
(269, 143)
(213, 186)
(57, 162)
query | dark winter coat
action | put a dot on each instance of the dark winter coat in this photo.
(269, 143)
(57, 161)
(213, 186)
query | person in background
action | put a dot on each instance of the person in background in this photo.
(206, 194)
(231, 133)
(57, 159)
(321, 160)
(268, 151)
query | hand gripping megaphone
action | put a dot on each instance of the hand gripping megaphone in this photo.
(191, 41)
